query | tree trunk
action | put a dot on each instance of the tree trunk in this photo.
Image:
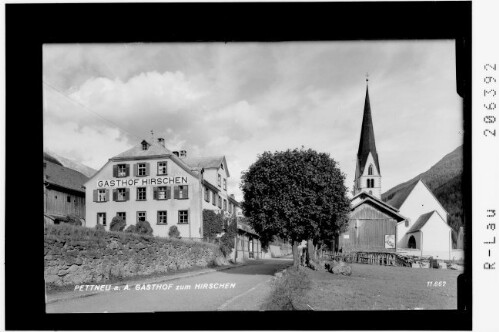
(310, 251)
(296, 254)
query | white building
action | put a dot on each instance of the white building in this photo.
(149, 182)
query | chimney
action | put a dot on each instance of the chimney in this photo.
(161, 141)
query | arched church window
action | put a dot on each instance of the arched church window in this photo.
(370, 170)
(412, 242)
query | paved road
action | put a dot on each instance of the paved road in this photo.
(241, 288)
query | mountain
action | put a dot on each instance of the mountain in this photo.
(85, 170)
(444, 179)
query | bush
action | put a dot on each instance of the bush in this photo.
(117, 224)
(130, 229)
(227, 240)
(212, 224)
(174, 232)
(144, 228)
(72, 220)
(100, 228)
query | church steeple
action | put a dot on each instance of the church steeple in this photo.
(367, 173)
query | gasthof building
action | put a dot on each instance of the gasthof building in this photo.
(149, 182)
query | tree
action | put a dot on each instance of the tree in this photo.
(117, 224)
(296, 195)
(227, 239)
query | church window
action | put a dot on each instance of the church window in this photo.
(370, 183)
(370, 170)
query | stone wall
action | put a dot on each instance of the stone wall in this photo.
(78, 255)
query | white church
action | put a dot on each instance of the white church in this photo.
(411, 222)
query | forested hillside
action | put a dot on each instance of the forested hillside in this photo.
(445, 180)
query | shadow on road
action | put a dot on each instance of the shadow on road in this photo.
(261, 266)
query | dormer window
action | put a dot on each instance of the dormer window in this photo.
(145, 145)
(370, 170)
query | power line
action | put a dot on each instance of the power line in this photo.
(88, 109)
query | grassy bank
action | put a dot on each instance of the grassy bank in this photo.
(288, 291)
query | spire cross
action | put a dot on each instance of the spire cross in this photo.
(367, 77)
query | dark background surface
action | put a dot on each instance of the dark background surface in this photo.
(28, 26)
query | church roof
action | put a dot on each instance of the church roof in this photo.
(367, 144)
(422, 220)
(401, 195)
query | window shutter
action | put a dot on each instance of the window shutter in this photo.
(95, 195)
(107, 195)
(115, 195)
(175, 192)
(157, 216)
(155, 193)
(127, 194)
(135, 169)
(168, 192)
(115, 171)
(147, 169)
(127, 170)
(185, 192)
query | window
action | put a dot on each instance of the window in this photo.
(219, 201)
(207, 194)
(370, 170)
(225, 184)
(144, 145)
(214, 199)
(370, 183)
(183, 217)
(122, 215)
(181, 192)
(122, 170)
(101, 195)
(225, 204)
(141, 169)
(141, 194)
(162, 218)
(162, 168)
(68, 199)
(162, 193)
(222, 165)
(141, 216)
(101, 218)
(120, 194)
(412, 242)
(219, 180)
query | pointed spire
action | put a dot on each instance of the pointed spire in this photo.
(367, 144)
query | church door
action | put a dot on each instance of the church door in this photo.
(412, 242)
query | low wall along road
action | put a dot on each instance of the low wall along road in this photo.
(77, 255)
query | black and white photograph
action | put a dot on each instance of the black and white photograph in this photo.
(257, 166)
(252, 176)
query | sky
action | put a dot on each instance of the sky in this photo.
(241, 99)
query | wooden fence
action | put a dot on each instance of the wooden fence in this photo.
(371, 257)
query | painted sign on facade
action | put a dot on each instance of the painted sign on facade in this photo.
(133, 182)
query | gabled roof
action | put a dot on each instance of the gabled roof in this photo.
(154, 149)
(379, 201)
(369, 199)
(400, 196)
(198, 163)
(367, 144)
(416, 227)
(64, 177)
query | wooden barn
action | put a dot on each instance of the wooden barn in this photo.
(64, 193)
(372, 226)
